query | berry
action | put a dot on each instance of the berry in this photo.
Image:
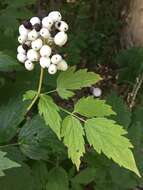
(37, 44)
(45, 62)
(60, 39)
(35, 20)
(25, 47)
(27, 25)
(21, 57)
(28, 43)
(97, 92)
(32, 55)
(44, 32)
(45, 51)
(55, 16)
(37, 27)
(21, 50)
(62, 26)
(23, 31)
(52, 69)
(63, 66)
(33, 35)
(29, 65)
(47, 22)
(56, 59)
(22, 39)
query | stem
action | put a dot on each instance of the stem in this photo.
(7, 145)
(39, 90)
(50, 91)
(72, 114)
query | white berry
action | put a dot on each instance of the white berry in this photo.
(22, 39)
(44, 32)
(52, 69)
(62, 26)
(21, 50)
(33, 35)
(45, 51)
(55, 59)
(60, 39)
(97, 92)
(47, 22)
(28, 43)
(29, 65)
(32, 55)
(45, 62)
(23, 30)
(21, 57)
(55, 16)
(37, 44)
(35, 20)
(63, 66)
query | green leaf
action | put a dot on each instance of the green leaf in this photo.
(74, 80)
(8, 63)
(123, 116)
(85, 176)
(6, 163)
(107, 137)
(73, 133)
(90, 107)
(58, 179)
(11, 115)
(49, 110)
(38, 141)
(29, 95)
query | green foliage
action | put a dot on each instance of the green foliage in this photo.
(90, 107)
(73, 133)
(6, 163)
(11, 115)
(50, 110)
(7, 63)
(74, 80)
(58, 179)
(107, 137)
(29, 95)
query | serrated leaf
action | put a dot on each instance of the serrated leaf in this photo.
(123, 116)
(29, 95)
(7, 63)
(107, 137)
(49, 110)
(90, 107)
(6, 163)
(58, 179)
(38, 141)
(11, 116)
(85, 176)
(74, 80)
(73, 133)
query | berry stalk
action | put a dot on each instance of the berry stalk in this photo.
(39, 90)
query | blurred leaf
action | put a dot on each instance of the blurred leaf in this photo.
(6, 163)
(11, 115)
(107, 137)
(7, 63)
(49, 110)
(58, 179)
(73, 133)
(73, 80)
(85, 176)
(123, 116)
(37, 141)
(90, 107)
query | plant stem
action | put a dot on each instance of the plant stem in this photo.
(7, 145)
(39, 90)
(72, 114)
(51, 91)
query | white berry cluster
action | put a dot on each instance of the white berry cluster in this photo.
(39, 39)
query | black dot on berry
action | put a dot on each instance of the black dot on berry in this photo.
(27, 24)
(59, 24)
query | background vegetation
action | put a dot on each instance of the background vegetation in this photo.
(94, 43)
